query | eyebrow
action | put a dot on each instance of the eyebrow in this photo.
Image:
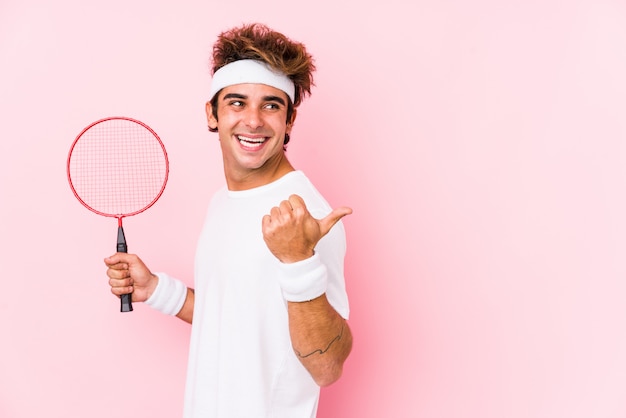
(265, 98)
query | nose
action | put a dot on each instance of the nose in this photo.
(253, 118)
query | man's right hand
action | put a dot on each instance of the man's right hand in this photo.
(128, 274)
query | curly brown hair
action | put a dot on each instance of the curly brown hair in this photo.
(259, 42)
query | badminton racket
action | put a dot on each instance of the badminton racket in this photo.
(118, 167)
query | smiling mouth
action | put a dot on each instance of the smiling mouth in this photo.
(251, 143)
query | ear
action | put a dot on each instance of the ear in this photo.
(209, 116)
(292, 121)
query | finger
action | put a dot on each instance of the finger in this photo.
(332, 218)
(286, 207)
(118, 274)
(275, 213)
(123, 290)
(296, 202)
(266, 223)
(117, 258)
(124, 282)
(118, 266)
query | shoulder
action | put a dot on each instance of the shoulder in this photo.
(303, 187)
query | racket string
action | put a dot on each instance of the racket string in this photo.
(118, 167)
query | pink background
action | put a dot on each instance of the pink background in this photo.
(481, 145)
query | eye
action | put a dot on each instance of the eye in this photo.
(274, 106)
(236, 103)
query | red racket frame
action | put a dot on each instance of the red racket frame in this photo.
(119, 216)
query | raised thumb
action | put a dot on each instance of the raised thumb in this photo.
(332, 218)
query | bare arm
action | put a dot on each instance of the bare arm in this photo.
(320, 337)
(186, 312)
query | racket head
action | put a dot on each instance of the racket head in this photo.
(117, 167)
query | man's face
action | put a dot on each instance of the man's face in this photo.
(251, 121)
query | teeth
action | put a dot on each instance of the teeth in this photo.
(250, 140)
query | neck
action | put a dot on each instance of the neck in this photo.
(250, 179)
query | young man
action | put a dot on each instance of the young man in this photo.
(269, 307)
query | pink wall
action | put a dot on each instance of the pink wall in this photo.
(481, 144)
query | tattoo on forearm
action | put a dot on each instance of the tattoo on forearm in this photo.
(319, 350)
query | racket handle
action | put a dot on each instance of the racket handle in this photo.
(126, 304)
(125, 300)
(121, 240)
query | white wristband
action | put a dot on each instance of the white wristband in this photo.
(168, 296)
(304, 280)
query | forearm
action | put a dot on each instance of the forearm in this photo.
(186, 312)
(320, 337)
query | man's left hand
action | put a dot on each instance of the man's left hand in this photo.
(291, 233)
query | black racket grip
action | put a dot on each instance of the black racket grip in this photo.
(125, 300)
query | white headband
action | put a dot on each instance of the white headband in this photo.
(250, 71)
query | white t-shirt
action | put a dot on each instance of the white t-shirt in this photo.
(241, 362)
